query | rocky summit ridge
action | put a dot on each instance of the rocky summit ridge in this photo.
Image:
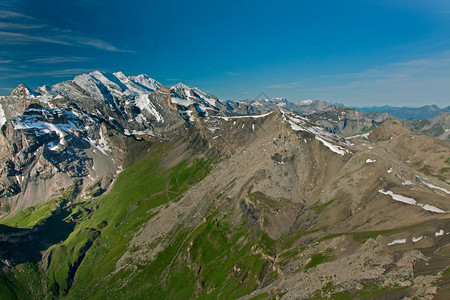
(116, 186)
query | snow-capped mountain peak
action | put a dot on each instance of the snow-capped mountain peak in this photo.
(305, 102)
(23, 91)
(144, 80)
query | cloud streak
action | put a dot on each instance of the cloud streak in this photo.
(290, 85)
(8, 14)
(25, 30)
(57, 60)
(53, 73)
(231, 73)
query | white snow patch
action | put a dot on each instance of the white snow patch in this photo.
(2, 116)
(411, 201)
(242, 117)
(394, 242)
(305, 102)
(389, 171)
(101, 144)
(52, 146)
(334, 148)
(365, 135)
(370, 160)
(40, 126)
(190, 115)
(182, 102)
(416, 239)
(140, 118)
(407, 182)
(144, 103)
(435, 187)
(439, 233)
(119, 170)
(400, 198)
(253, 127)
(431, 208)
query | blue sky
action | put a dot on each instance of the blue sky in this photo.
(356, 52)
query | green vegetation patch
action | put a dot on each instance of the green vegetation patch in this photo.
(286, 244)
(317, 259)
(321, 207)
(83, 241)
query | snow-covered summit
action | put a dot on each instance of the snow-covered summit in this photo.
(193, 99)
(305, 102)
(22, 91)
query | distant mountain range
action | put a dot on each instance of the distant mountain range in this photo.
(408, 113)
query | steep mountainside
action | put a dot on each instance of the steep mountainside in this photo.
(85, 128)
(438, 127)
(217, 205)
(347, 121)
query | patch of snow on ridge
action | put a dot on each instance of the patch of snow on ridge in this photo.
(394, 242)
(411, 201)
(370, 160)
(52, 146)
(305, 102)
(205, 97)
(399, 198)
(435, 187)
(182, 102)
(146, 81)
(334, 148)
(101, 144)
(190, 115)
(390, 171)
(23, 123)
(364, 135)
(144, 103)
(439, 233)
(2, 116)
(431, 208)
(242, 117)
(416, 239)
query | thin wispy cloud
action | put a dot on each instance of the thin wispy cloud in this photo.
(6, 61)
(18, 26)
(99, 44)
(439, 63)
(57, 60)
(5, 69)
(410, 80)
(53, 73)
(22, 31)
(8, 14)
(368, 73)
(22, 38)
(16, 38)
(231, 73)
(290, 85)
